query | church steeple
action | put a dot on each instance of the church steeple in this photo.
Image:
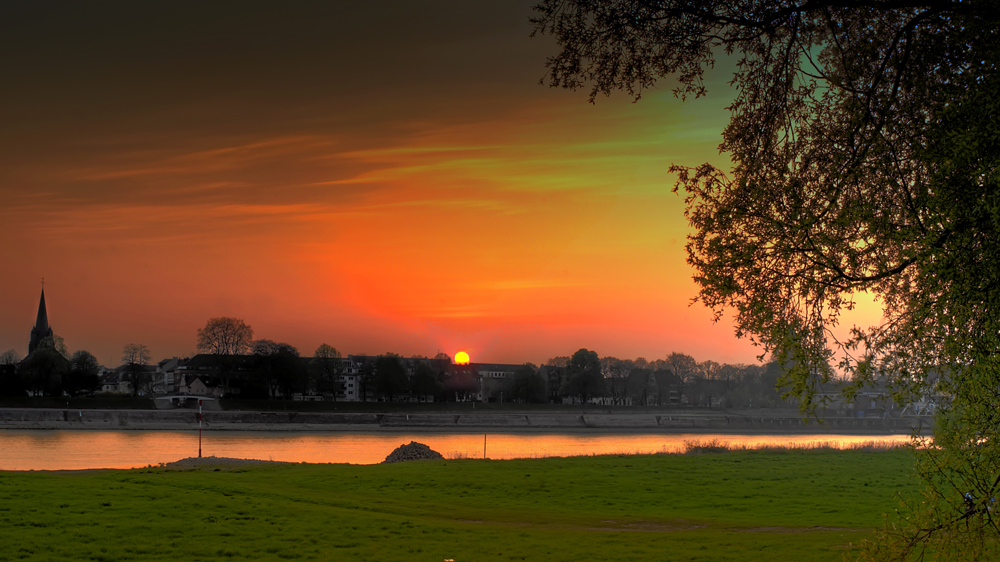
(42, 329)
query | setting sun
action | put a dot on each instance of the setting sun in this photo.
(461, 358)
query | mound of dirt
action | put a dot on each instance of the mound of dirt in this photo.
(412, 452)
(192, 462)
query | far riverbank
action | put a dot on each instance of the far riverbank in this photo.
(511, 421)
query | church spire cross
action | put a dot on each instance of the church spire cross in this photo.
(41, 330)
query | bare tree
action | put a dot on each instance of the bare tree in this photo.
(709, 369)
(683, 366)
(560, 361)
(9, 357)
(135, 358)
(225, 336)
(616, 372)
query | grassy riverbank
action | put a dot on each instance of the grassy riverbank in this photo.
(776, 505)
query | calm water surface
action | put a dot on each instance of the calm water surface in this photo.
(70, 450)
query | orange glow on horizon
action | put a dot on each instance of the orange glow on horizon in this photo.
(323, 207)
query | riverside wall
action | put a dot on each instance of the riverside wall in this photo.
(683, 422)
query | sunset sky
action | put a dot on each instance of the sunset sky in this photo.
(377, 176)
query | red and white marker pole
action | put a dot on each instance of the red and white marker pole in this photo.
(199, 428)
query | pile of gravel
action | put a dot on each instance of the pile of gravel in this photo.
(412, 452)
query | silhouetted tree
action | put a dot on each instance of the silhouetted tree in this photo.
(616, 372)
(526, 385)
(82, 376)
(327, 370)
(390, 376)
(583, 376)
(558, 361)
(278, 368)
(225, 338)
(59, 343)
(683, 366)
(9, 357)
(135, 359)
(426, 380)
(366, 378)
(864, 146)
(10, 383)
(642, 386)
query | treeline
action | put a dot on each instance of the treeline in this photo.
(49, 370)
(233, 361)
(678, 379)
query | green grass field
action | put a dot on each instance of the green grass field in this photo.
(794, 505)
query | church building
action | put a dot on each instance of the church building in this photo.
(41, 330)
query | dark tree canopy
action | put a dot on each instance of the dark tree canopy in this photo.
(866, 159)
(426, 380)
(82, 377)
(278, 368)
(525, 385)
(135, 360)
(327, 370)
(390, 376)
(583, 375)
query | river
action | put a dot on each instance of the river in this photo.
(73, 450)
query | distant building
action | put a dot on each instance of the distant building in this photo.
(491, 377)
(553, 377)
(167, 380)
(215, 372)
(41, 329)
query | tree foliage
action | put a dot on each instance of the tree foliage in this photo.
(327, 370)
(862, 161)
(558, 361)
(866, 159)
(59, 343)
(390, 376)
(583, 376)
(278, 368)
(10, 383)
(10, 357)
(366, 379)
(526, 385)
(426, 380)
(616, 372)
(225, 336)
(135, 359)
(82, 376)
